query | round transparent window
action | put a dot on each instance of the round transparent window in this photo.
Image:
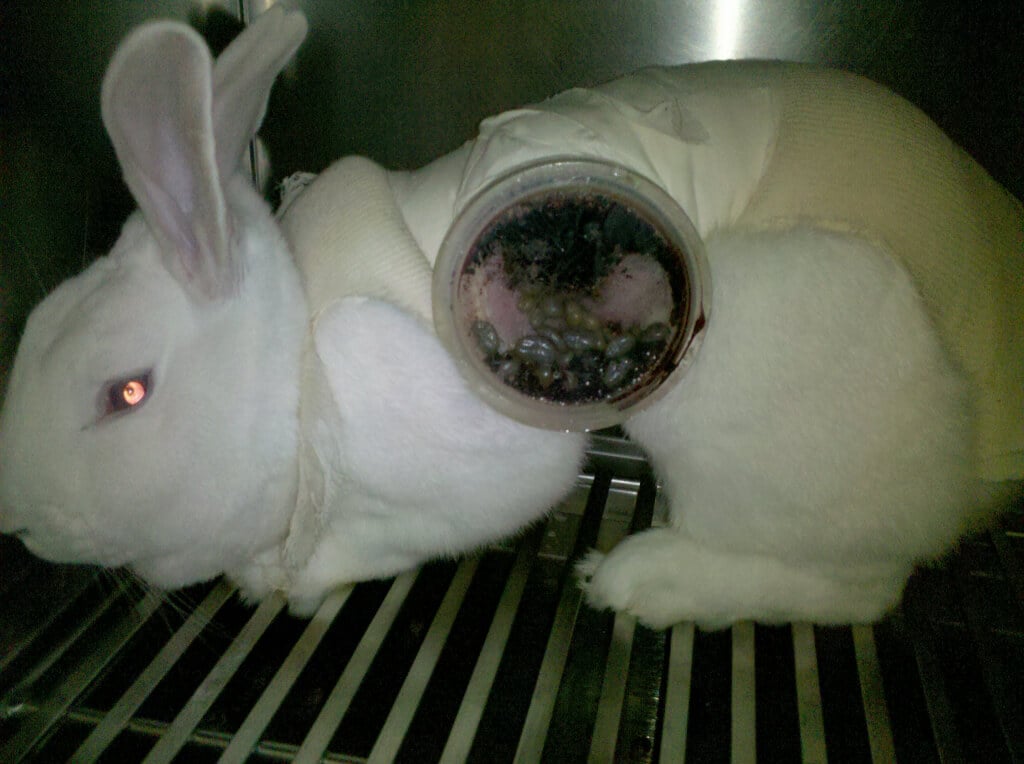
(571, 293)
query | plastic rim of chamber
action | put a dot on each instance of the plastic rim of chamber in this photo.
(568, 180)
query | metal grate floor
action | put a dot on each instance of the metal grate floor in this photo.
(493, 658)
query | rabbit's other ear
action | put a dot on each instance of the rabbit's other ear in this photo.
(180, 125)
(243, 76)
(157, 107)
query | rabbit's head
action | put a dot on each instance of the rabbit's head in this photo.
(150, 418)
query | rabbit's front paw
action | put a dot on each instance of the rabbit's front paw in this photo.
(630, 579)
(306, 605)
(663, 577)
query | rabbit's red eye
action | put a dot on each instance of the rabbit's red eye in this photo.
(127, 393)
(133, 392)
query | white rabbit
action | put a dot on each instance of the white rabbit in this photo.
(843, 421)
(149, 417)
(152, 415)
(302, 428)
(820, 447)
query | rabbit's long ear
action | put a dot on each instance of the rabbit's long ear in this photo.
(243, 76)
(157, 107)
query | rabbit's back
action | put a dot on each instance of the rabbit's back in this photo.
(822, 421)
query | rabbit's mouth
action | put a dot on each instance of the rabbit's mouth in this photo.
(37, 547)
(72, 552)
(18, 533)
(60, 537)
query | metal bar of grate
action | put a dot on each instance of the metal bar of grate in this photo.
(66, 641)
(808, 695)
(744, 727)
(623, 724)
(463, 731)
(542, 703)
(115, 719)
(69, 594)
(940, 711)
(408, 700)
(1013, 565)
(208, 738)
(1013, 570)
(616, 671)
(998, 679)
(876, 714)
(51, 710)
(545, 691)
(195, 709)
(613, 690)
(1011, 560)
(677, 693)
(319, 736)
(248, 735)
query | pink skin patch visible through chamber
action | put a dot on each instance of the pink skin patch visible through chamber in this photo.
(577, 316)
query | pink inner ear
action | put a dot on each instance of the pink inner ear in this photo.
(157, 109)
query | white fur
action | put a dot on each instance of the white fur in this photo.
(201, 289)
(202, 474)
(424, 469)
(198, 474)
(820, 445)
